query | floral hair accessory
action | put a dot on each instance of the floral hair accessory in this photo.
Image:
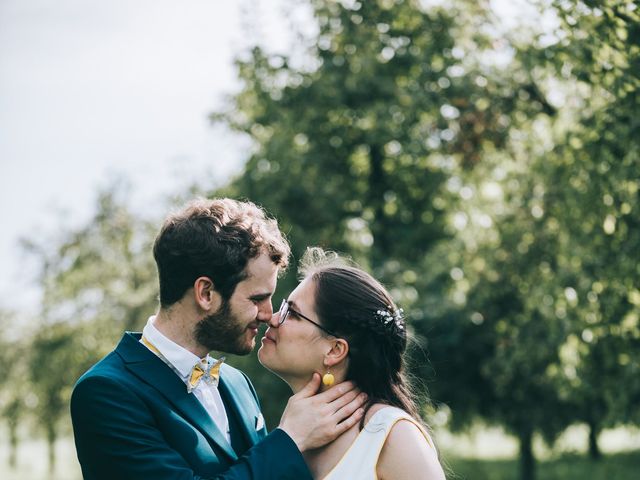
(391, 317)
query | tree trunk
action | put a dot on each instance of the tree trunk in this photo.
(594, 449)
(51, 443)
(13, 445)
(527, 460)
(375, 198)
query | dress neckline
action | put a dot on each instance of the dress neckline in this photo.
(370, 422)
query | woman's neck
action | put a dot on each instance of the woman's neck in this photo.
(298, 383)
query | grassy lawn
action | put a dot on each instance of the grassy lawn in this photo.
(613, 466)
(619, 466)
(32, 461)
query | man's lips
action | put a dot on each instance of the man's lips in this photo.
(253, 329)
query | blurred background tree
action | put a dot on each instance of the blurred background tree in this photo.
(97, 280)
(593, 194)
(14, 381)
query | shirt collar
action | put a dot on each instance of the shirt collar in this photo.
(181, 358)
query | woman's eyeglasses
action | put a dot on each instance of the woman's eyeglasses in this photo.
(285, 308)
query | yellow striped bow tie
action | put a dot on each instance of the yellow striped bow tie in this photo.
(210, 375)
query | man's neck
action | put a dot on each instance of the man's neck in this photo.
(178, 328)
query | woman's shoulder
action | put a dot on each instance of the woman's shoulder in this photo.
(408, 451)
(383, 413)
(375, 408)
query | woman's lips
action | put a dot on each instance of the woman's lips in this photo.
(267, 338)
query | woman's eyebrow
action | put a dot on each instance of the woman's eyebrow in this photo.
(295, 307)
(293, 304)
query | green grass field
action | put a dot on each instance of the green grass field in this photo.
(619, 466)
(568, 466)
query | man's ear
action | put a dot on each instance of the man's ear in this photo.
(205, 294)
(337, 353)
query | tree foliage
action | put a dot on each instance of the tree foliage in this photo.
(469, 185)
(97, 280)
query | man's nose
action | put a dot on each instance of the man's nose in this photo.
(265, 312)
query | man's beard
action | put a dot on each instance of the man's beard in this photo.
(221, 331)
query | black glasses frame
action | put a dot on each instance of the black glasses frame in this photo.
(285, 308)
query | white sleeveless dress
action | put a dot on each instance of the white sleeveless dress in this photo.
(360, 460)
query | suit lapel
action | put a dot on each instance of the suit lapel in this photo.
(235, 397)
(145, 365)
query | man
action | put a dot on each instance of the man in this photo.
(158, 407)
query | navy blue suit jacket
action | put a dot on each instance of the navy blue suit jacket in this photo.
(133, 419)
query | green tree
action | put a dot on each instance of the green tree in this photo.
(549, 292)
(14, 382)
(58, 357)
(101, 272)
(500, 338)
(352, 152)
(97, 280)
(358, 152)
(594, 197)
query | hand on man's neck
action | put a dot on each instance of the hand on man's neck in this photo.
(177, 324)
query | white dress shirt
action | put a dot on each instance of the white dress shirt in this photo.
(183, 361)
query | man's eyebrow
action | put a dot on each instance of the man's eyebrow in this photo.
(258, 297)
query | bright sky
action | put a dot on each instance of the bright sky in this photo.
(90, 90)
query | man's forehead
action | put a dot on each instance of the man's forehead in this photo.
(259, 263)
(260, 274)
(258, 283)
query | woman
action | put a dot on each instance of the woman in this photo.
(342, 323)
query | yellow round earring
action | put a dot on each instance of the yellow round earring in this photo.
(328, 379)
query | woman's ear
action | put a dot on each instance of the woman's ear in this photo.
(337, 353)
(205, 294)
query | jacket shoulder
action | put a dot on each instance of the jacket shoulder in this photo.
(110, 366)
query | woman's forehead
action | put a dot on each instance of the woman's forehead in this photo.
(304, 295)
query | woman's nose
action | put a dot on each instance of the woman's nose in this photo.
(274, 321)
